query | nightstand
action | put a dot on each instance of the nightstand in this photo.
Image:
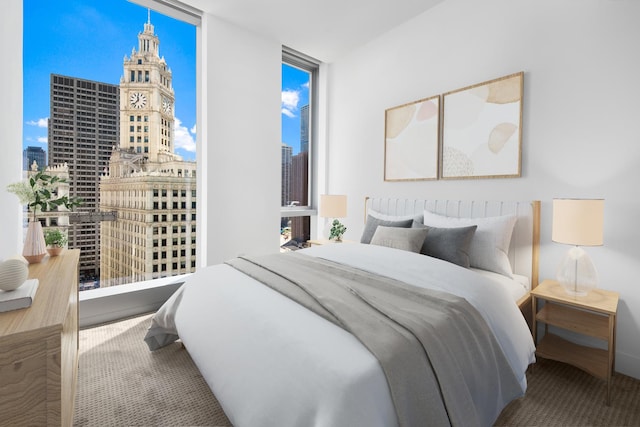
(326, 242)
(592, 315)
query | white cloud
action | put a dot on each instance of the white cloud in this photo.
(290, 99)
(288, 113)
(182, 138)
(41, 123)
(193, 129)
(42, 139)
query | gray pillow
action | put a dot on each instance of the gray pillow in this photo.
(373, 223)
(407, 239)
(489, 247)
(449, 244)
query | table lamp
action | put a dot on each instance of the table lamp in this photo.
(334, 206)
(578, 222)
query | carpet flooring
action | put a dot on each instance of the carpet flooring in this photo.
(122, 383)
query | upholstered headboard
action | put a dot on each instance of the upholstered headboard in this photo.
(525, 240)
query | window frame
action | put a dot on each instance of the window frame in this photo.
(308, 64)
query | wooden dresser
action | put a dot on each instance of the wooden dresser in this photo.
(39, 348)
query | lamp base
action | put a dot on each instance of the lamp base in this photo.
(576, 273)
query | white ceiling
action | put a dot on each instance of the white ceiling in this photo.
(323, 29)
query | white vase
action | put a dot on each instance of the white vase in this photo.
(34, 246)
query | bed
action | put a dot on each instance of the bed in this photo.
(272, 361)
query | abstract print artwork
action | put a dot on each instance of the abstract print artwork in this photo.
(482, 130)
(411, 141)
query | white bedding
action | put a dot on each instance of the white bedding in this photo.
(517, 286)
(272, 362)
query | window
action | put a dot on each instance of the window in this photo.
(299, 74)
(93, 109)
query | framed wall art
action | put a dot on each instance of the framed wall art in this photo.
(482, 130)
(412, 133)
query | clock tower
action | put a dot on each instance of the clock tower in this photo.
(146, 100)
(150, 188)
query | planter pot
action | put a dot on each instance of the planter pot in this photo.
(34, 246)
(55, 250)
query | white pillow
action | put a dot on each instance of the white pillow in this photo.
(385, 217)
(489, 247)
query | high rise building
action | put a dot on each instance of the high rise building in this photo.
(151, 189)
(83, 129)
(286, 152)
(304, 128)
(31, 154)
(300, 226)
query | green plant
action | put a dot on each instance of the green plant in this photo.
(337, 230)
(38, 192)
(55, 237)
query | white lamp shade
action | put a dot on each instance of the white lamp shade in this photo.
(578, 221)
(333, 206)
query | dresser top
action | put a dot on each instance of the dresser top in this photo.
(57, 278)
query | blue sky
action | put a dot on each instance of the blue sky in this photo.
(89, 39)
(295, 94)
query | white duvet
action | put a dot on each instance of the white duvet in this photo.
(271, 362)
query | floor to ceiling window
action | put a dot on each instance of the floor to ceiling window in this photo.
(110, 105)
(299, 75)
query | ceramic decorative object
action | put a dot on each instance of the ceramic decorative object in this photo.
(13, 273)
(34, 246)
(55, 239)
(55, 250)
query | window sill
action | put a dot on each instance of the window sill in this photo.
(294, 212)
(103, 305)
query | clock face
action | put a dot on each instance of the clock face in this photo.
(138, 100)
(166, 105)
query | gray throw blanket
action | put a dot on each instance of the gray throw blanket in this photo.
(442, 363)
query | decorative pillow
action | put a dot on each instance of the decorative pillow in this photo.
(449, 244)
(489, 247)
(373, 223)
(407, 239)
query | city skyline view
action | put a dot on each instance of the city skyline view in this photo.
(295, 95)
(74, 78)
(88, 39)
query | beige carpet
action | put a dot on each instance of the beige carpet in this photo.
(121, 383)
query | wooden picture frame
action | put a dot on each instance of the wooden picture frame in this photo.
(411, 144)
(482, 130)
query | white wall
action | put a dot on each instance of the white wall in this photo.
(240, 107)
(11, 126)
(581, 115)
